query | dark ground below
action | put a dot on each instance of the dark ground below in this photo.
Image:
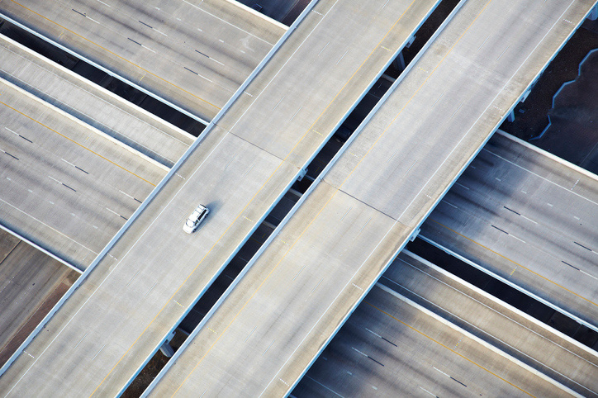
(531, 116)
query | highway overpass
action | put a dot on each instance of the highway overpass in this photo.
(441, 335)
(269, 328)
(150, 276)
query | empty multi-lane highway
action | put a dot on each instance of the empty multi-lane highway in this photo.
(64, 185)
(151, 277)
(92, 104)
(391, 345)
(193, 54)
(529, 218)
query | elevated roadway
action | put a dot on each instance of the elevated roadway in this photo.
(268, 329)
(152, 276)
(193, 54)
(531, 219)
(64, 185)
(390, 346)
(92, 104)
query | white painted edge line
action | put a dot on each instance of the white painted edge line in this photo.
(41, 249)
(498, 301)
(104, 69)
(258, 14)
(293, 210)
(509, 283)
(549, 155)
(84, 125)
(474, 156)
(89, 83)
(359, 129)
(479, 341)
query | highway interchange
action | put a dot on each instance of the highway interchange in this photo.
(239, 172)
(314, 271)
(377, 192)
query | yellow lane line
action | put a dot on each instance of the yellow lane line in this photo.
(254, 293)
(336, 189)
(116, 55)
(514, 262)
(325, 205)
(76, 143)
(448, 348)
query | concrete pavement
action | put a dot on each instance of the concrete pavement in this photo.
(107, 112)
(534, 343)
(155, 272)
(273, 324)
(193, 54)
(528, 218)
(388, 347)
(64, 185)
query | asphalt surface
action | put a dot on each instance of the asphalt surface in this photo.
(63, 185)
(274, 323)
(390, 348)
(194, 54)
(155, 272)
(92, 104)
(31, 283)
(530, 219)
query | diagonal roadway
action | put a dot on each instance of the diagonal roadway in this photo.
(298, 293)
(152, 276)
